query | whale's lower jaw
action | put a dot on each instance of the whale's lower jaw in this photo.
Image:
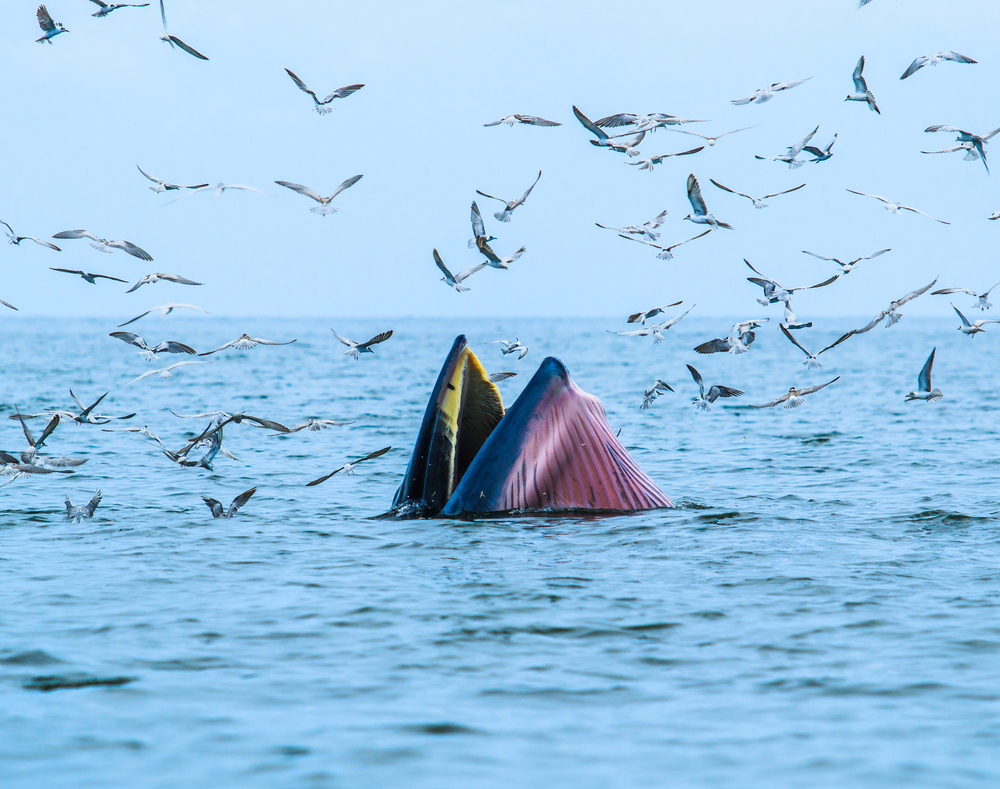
(553, 450)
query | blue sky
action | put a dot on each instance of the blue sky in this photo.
(82, 113)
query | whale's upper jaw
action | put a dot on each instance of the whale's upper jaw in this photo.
(463, 410)
(554, 450)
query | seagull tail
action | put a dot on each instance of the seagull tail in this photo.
(935, 395)
(322, 110)
(794, 402)
(503, 216)
(324, 210)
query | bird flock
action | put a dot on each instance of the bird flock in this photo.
(604, 133)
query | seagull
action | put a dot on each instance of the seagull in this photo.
(975, 140)
(791, 154)
(214, 442)
(312, 425)
(222, 418)
(321, 107)
(149, 352)
(163, 186)
(491, 258)
(894, 207)
(496, 378)
(49, 429)
(86, 275)
(666, 253)
(84, 416)
(812, 362)
(933, 60)
(244, 343)
(103, 245)
(31, 456)
(994, 215)
(701, 216)
(774, 291)
(640, 317)
(455, 280)
(152, 279)
(165, 309)
(712, 140)
(791, 319)
(512, 347)
(650, 122)
(348, 468)
(924, 391)
(626, 146)
(741, 337)
(172, 40)
(659, 388)
(821, 154)
(355, 349)
(793, 398)
(529, 120)
(504, 216)
(861, 92)
(758, 202)
(163, 372)
(16, 240)
(704, 401)
(647, 229)
(647, 164)
(593, 128)
(891, 312)
(762, 95)
(847, 268)
(974, 328)
(983, 302)
(324, 206)
(143, 431)
(49, 28)
(656, 329)
(239, 501)
(478, 228)
(107, 8)
(8, 305)
(218, 189)
(77, 514)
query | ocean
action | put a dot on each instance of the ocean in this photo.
(820, 609)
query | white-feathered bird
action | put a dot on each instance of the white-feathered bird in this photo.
(794, 397)
(324, 206)
(982, 299)
(924, 391)
(758, 202)
(861, 91)
(103, 245)
(320, 106)
(933, 60)
(355, 348)
(504, 216)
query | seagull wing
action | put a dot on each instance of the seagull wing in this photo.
(131, 248)
(636, 333)
(178, 279)
(871, 325)
(91, 505)
(875, 255)
(324, 478)
(674, 246)
(955, 57)
(669, 324)
(859, 82)
(714, 346)
(793, 341)
(773, 403)
(346, 185)
(615, 121)
(837, 342)
(491, 197)
(214, 505)
(301, 85)
(494, 123)
(465, 273)
(534, 120)
(694, 196)
(347, 342)
(372, 455)
(823, 284)
(806, 251)
(478, 228)
(796, 149)
(172, 346)
(865, 194)
(915, 66)
(259, 341)
(965, 321)
(918, 211)
(589, 125)
(440, 264)
(525, 195)
(163, 16)
(220, 348)
(697, 379)
(723, 391)
(130, 338)
(776, 86)
(816, 387)
(726, 188)
(924, 379)
(188, 49)
(343, 92)
(77, 234)
(154, 180)
(105, 276)
(377, 339)
(238, 502)
(945, 291)
(44, 20)
(913, 294)
(787, 191)
(302, 190)
(498, 377)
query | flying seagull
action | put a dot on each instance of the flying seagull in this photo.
(812, 361)
(506, 346)
(647, 164)
(739, 340)
(355, 348)
(626, 146)
(640, 317)
(165, 309)
(650, 122)
(762, 95)
(49, 28)
(324, 206)
(790, 157)
(152, 279)
(529, 120)
(659, 388)
(348, 468)
(107, 8)
(847, 268)
(647, 229)
(975, 140)
(478, 228)
(163, 186)
(821, 154)
(91, 278)
(666, 253)
(601, 136)
(103, 245)
(216, 506)
(455, 280)
(656, 329)
(312, 425)
(78, 514)
(38, 443)
(973, 328)
(861, 92)
(504, 216)
(794, 397)
(933, 60)
(244, 343)
(983, 300)
(894, 207)
(172, 40)
(163, 372)
(891, 312)
(774, 291)
(712, 140)
(321, 107)
(758, 202)
(704, 400)
(701, 216)
(149, 352)
(16, 240)
(496, 378)
(971, 154)
(924, 391)
(492, 259)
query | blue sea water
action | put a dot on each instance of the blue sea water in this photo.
(820, 609)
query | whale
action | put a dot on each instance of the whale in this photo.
(551, 451)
